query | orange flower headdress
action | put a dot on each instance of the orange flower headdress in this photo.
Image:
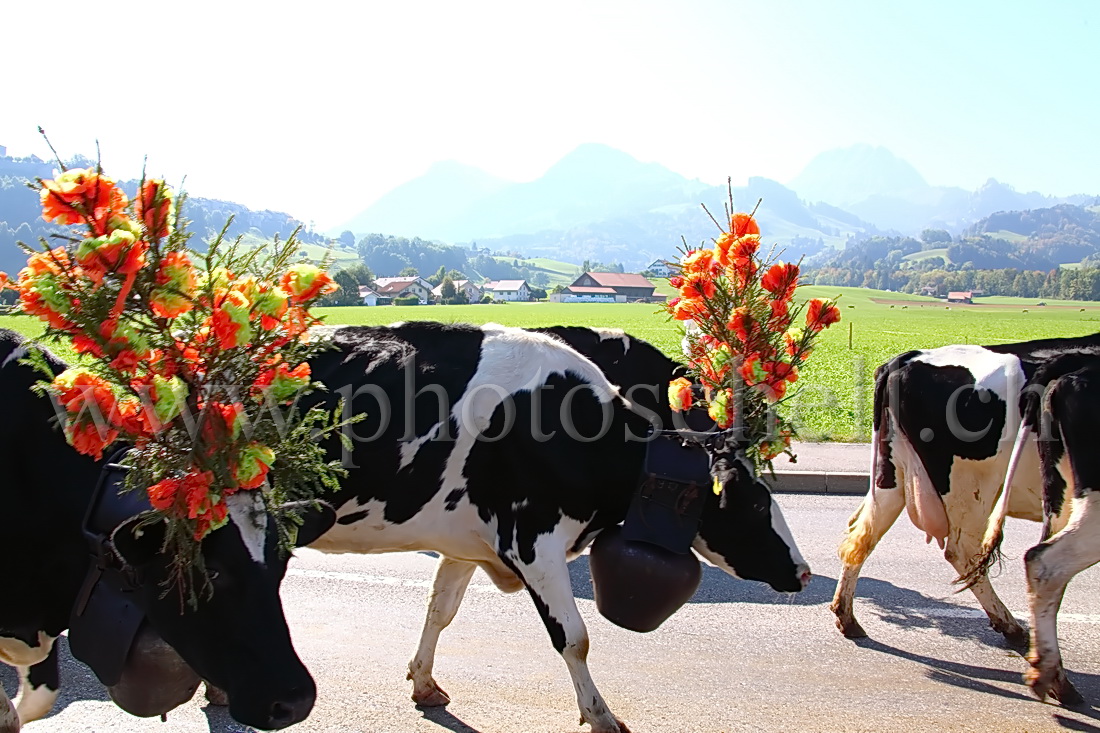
(187, 356)
(742, 341)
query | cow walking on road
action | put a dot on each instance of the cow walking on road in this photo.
(508, 450)
(945, 423)
(1062, 419)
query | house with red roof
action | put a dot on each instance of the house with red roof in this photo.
(616, 287)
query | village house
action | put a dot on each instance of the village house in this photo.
(960, 296)
(404, 287)
(368, 296)
(507, 290)
(611, 286)
(473, 292)
(661, 268)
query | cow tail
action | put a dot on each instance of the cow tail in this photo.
(990, 553)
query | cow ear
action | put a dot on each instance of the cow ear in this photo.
(137, 540)
(317, 517)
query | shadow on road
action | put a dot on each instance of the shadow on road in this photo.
(977, 678)
(441, 717)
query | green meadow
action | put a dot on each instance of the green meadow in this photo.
(834, 397)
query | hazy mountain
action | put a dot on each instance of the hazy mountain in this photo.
(426, 205)
(592, 183)
(644, 236)
(881, 188)
(846, 176)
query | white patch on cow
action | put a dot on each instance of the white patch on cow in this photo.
(248, 513)
(999, 373)
(779, 526)
(607, 334)
(33, 703)
(17, 353)
(410, 448)
(16, 652)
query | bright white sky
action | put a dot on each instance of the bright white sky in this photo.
(317, 108)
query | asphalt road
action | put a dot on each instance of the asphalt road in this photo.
(738, 657)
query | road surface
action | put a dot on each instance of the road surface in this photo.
(739, 657)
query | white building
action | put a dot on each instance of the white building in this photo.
(507, 290)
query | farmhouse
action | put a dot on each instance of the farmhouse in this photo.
(507, 289)
(369, 296)
(662, 268)
(960, 296)
(473, 292)
(616, 286)
(404, 287)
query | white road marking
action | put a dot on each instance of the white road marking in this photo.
(962, 612)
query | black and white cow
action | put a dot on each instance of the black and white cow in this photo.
(1062, 419)
(238, 640)
(945, 422)
(512, 457)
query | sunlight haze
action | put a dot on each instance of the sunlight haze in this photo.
(319, 108)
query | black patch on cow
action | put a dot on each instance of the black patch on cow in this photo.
(1074, 403)
(884, 468)
(969, 429)
(46, 488)
(553, 626)
(45, 672)
(353, 517)
(453, 498)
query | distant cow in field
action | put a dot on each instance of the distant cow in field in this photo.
(945, 421)
(508, 450)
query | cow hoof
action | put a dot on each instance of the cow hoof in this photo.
(1040, 681)
(1017, 638)
(850, 628)
(216, 695)
(430, 696)
(619, 727)
(1064, 692)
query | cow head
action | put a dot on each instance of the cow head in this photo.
(743, 530)
(237, 637)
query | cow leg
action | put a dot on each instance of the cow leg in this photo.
(877, 513)
(38, 688)
(1050, 566)
(547, 580)
(961, 550)
(451, 579)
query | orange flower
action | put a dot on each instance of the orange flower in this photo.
(210, 519)
(686, 309)
(5, 281)
(305, 282)
(743, 324)
(821, 314)
(679, 394)
(780, 317)
(742, 224)
(83, 195)
(698, 262)
(721, 409)
(120, 251)
(162, 494)
(90, 439)
(231, 320)
(781, 279)
(153, 207)
(698, 287)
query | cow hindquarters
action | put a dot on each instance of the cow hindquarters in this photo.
(1050, 566)
(878, 512)
(451, 579)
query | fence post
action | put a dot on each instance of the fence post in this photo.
(849, 335)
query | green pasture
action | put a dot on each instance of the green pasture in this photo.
(834, 399)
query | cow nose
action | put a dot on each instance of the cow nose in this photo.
(804, 575)
(293, 708)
